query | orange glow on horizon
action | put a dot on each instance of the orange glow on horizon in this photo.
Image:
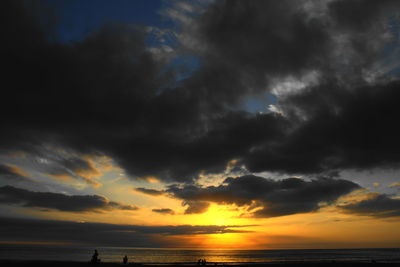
(228, 241)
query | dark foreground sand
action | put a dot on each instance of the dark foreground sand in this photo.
(14, 263)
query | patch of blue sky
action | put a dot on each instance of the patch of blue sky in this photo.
(391, 51)
(186, 66)
(77, 18)
(183, 67)
(395, 72)
(161, 37)
(259, 103)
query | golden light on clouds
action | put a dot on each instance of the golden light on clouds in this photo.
(151, 179)
(18, 170)
(328, 227)
(70, 180)
(396, 184)
(61, 177)
(220, 215)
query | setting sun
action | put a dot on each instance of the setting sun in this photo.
(218, 215)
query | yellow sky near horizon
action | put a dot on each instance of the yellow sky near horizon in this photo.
(326, 228)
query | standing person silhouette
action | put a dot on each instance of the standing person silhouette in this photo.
(125, 259)
(95, 257)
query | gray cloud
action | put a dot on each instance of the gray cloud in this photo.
(271, 197)
(381, 206)
(56, 201)
(164, 211)
(102, 234)
(15, 176)
(332, 137)
(128, 105)
(152, 192)
(6, 170)
(12, 173)
(75, 167)
(195, 207)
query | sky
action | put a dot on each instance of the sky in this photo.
(200, 124)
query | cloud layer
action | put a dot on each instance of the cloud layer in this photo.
(56, 201)
(264, 197)
(100, 234)
(326, 73)
(164, 211)
(380, 206)
(109, 94)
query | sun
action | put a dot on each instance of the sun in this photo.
(223, 215)
(226, 215)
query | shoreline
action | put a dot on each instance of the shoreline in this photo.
(48, 263)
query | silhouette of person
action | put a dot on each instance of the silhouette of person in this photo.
(199, 261)
(125, 259)
(95, 257)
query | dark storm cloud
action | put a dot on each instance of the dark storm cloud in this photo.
(271, 197)
(260, 41)
(359, 15)
(55, 201)
(195, 207)
(347, 124)
(355, 129)
(264, 37)
(108, 94)
(381, 206)
(102, 95)
(164, 211)
(342, 122)
(14, 229)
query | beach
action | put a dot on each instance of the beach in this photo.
(113, 256)
(15, 263)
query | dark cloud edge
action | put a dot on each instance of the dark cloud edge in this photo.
(19, 229)
(263, 197)
(379, 206)
(164, 211)
(10, 195)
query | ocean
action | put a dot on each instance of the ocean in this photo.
(160, 256)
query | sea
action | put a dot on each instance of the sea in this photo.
(177, 256)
